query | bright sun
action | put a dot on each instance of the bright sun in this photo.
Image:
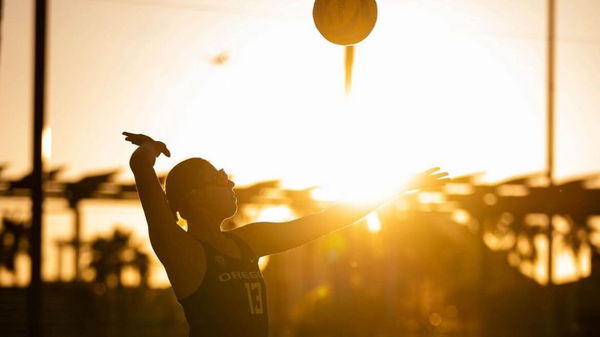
(414, 105)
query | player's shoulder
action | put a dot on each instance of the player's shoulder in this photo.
(185, 264)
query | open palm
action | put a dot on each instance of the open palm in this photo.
(431, 179)
(141, 139)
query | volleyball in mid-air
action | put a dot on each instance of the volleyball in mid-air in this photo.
(345, 22)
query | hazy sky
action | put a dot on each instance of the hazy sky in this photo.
(455, 83)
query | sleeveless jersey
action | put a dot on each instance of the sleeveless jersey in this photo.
(232, 299)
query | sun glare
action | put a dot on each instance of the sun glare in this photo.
(274, 214)
(411, 108)
(373, 223)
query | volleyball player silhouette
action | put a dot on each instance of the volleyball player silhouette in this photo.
(214, 273)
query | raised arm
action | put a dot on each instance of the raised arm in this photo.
(273, 237)
(178, 252)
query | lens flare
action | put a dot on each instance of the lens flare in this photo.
(373, 223)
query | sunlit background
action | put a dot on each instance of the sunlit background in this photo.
(254, 88)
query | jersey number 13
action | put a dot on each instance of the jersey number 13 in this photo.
(254, 291)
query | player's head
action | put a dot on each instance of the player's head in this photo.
(195, 184)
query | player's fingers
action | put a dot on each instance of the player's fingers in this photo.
(162, 148)
(139, 139)
(439, 175)
(134, 138)
(431, 170)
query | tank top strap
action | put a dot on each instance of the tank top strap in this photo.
(242, 245)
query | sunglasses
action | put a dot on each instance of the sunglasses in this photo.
(220, 179)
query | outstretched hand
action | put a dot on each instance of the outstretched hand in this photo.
(141, 139)
(431, 179)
